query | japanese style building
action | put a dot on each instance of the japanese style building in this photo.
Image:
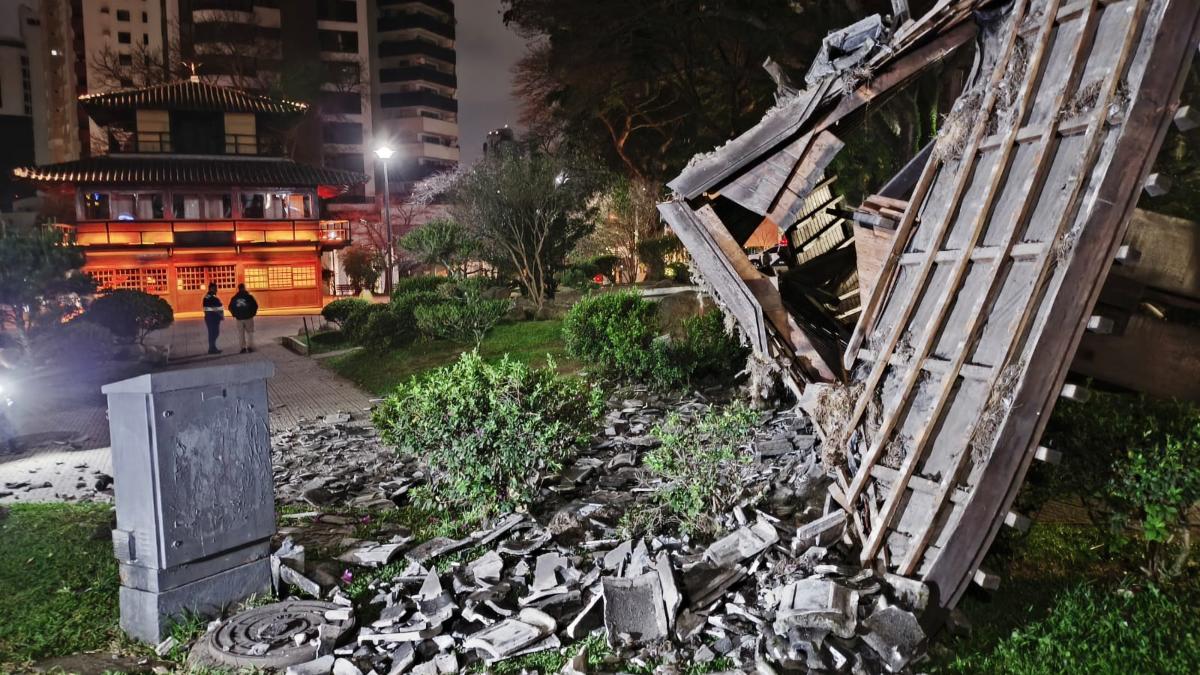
(195, 188)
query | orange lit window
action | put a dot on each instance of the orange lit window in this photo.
(148, 279)
(279, 277)
(304, 277)
(256, 278)
(197, 278)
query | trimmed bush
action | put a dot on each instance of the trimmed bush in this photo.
(616, 334)
(377, 327)
(77, 342)
(425, 283)
(130, 314)
(404, 305)
(340, 310)
(678, 271)
(489, 432)
(464, 315)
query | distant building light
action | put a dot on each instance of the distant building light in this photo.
(53, 52)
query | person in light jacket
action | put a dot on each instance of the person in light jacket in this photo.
(214, 314)
(244, 307)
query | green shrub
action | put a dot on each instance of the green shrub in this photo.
(489, 432)
(708, 349)
(77, 342)
(423, 283)
(465, 317)
(678, 271)
(1102, 631)
(405, 305)
(616, 333)
(377, 327)
(699, 459)
(130, 314)
(1152, 492)
(340, 310)
(576, 277)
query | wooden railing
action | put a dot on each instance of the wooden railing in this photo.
(325, 233)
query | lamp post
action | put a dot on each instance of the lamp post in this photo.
(384, 153)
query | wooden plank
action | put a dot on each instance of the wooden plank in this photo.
(760, 185)
(1150, 356)
(1168, 49)
(872, 246)
(942, 228)
(808, 171)
(1043, 164)
(719, 272)
(980, 221)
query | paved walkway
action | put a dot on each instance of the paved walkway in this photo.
(301, 389)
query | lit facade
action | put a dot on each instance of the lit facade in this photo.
(195, 189)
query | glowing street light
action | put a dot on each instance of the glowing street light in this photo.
(384, 153)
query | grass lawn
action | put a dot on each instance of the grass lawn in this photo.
(58, 581)
(526, 341)
(1066, 605)
(321, 343)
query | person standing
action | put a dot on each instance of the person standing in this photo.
(214, 314)
(244, 307)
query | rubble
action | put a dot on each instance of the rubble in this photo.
(772, 589)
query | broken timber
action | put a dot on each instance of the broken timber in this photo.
(999, 253)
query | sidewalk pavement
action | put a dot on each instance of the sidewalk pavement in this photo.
(301, 389)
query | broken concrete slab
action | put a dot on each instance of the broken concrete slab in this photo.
(895, 635)
(511, 635)
(817, 603)
(635, 607)
(742, 543)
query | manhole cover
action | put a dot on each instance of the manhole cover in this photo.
(272, 636)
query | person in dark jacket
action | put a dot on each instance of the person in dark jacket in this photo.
(244, 307)
(214, 314)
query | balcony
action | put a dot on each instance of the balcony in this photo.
(415, 99)
(410, 127)
(429, 151)
(159, 142)
(417, 74)
(416, 20)
(327, 234)
(415, 48)
(444, 6)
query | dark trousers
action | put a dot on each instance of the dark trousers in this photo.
(213, 323)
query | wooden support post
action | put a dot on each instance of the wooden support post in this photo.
(1017, 521)
(986, 580)
(1187, 118)
(1158, 184)
(900, 12)
(1101, 325)
(1047, 455)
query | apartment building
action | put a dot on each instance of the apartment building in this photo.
(415, 82)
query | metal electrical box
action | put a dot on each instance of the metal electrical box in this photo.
(194, 492)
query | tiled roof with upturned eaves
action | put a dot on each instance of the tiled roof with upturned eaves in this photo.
(190, 95)
(134, 170)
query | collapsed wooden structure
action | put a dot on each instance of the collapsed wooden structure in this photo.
(990, 250)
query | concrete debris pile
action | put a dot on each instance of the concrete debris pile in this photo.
(768, 592)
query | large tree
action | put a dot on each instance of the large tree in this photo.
(527, 210)
(649, 83)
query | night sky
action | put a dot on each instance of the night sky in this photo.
(487, 51)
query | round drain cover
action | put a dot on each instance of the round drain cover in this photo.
(267, 636)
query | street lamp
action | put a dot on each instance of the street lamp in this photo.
(384, 153)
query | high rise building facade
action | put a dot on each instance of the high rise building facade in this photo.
(414, 75)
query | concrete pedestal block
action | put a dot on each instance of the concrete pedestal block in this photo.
(194, 493)
(148, 615)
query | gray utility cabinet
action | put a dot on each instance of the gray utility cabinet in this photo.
(194, 493)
